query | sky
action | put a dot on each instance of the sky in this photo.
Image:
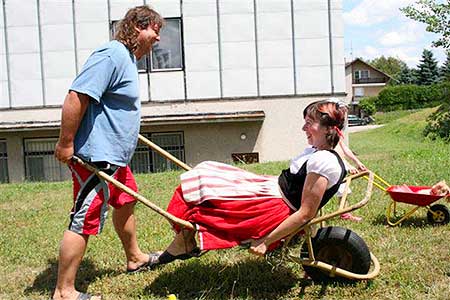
(377, 27)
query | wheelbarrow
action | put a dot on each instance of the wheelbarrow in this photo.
(418, 197)
(327, 253)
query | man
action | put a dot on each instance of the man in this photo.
(100, 123)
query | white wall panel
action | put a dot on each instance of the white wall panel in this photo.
(56, 90)
(92, 35)
(275, 54)
(196, 8)
(56, 12)
(338, 50)
(274, 6)
(201, 29)
(26, 93)
(239, 82)
(88, 11)
(3, 69)
(313, 79)
(273, 26)
(25, 66)
(311, 24)
(236, 7)
(21, 13)
(167, 86)
(4, 97)
(238, 55)
(23, 39)
(339, 78)
(276, 81)
(143, 87)
(201, 57)
(312, 52)
(120, 8)
(1, 18)
(166, 8)
(237, 28)
(337, 23)
(57, 37)
(59, 64)
(305, 5)
(203, 84)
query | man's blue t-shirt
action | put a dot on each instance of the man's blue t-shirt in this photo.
(110, 126)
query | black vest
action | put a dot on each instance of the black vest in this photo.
(292, 184)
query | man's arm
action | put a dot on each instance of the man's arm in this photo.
(73, 110)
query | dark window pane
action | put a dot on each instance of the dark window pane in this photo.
(167, 53)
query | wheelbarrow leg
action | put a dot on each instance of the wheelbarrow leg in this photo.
(388, 214)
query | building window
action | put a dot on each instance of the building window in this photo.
(359, 92)
(146, 160)
(40, 162)
(361, 74)
(4, 178)
(167, 55)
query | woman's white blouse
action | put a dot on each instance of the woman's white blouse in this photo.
(321, 162)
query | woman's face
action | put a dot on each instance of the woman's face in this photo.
(315, 133)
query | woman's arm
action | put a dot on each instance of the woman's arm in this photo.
(348, 153)
(313, 191)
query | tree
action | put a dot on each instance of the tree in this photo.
(435, 15)
(428, 72)
(406, 76)
(445, 69)
(389, 65)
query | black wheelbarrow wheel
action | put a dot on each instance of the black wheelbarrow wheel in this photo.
(339, 247)
(440, 215)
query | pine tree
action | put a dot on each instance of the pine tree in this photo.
(445, 69)
(428, 72)
(405, 76)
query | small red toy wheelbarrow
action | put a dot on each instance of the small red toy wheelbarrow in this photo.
(419, 196)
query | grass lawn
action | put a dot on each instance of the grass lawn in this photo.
(414, 257)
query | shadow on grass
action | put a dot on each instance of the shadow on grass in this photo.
(412, 221)
(244, 279)
(45, 281)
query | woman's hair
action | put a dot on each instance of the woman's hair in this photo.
(140, 17)
(330, 114)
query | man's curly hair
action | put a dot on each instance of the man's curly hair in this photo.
(140, 17)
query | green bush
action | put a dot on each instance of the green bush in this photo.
(438, 125)
(411, 96)
(367, 104)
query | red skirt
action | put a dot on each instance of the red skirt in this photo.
(225, 224)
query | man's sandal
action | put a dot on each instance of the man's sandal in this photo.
(86, 296)
(152, 259)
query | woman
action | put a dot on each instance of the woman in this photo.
(229, 206)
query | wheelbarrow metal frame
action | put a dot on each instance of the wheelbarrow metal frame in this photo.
(311, 261)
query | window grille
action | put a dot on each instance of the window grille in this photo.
(4, 177)
(40, 162)
(147, 161)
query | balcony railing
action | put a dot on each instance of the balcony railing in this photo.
(370, 80)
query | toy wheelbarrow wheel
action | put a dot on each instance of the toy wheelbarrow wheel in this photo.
(341, 248)
(438, 214)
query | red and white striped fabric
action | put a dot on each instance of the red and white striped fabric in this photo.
(212, 180)
(228, 205)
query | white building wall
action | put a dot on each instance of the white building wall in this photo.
(25, 62)
(58, 48)
(275, 54)
(201, 49)
(4, 96)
